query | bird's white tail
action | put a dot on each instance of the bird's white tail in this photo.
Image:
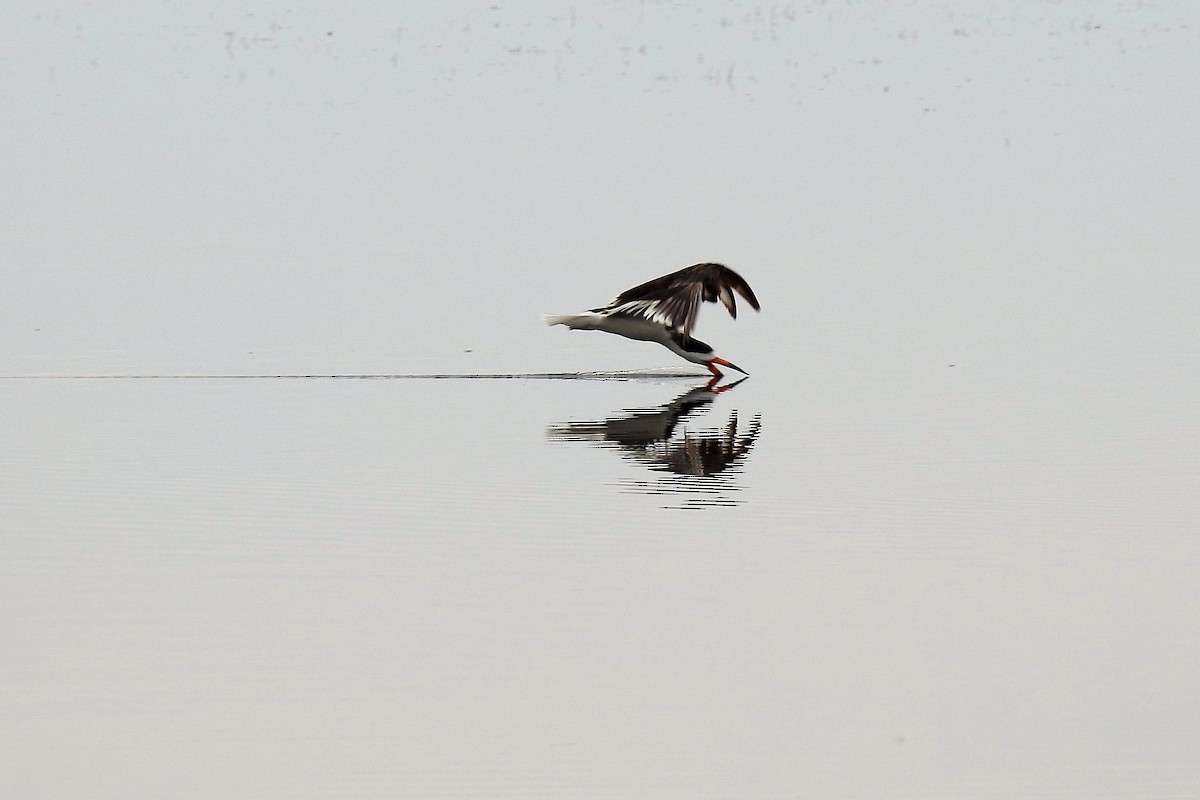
(570, 320)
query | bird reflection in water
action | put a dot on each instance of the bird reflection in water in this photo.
(699, 465)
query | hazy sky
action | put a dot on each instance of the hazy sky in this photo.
(185, 185)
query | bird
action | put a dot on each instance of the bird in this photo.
(664, 310)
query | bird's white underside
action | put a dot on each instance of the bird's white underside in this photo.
(639, 328)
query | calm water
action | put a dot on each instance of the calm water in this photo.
(518, 587)
(942, 543)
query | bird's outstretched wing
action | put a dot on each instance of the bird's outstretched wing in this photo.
(674, 300)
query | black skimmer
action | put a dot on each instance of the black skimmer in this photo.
(664, 310)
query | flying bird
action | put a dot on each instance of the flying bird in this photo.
(664, 310)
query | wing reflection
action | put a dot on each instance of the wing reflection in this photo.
(700, 464)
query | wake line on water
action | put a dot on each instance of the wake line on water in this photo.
(447, 376)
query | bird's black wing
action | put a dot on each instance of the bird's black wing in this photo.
(674, 300)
